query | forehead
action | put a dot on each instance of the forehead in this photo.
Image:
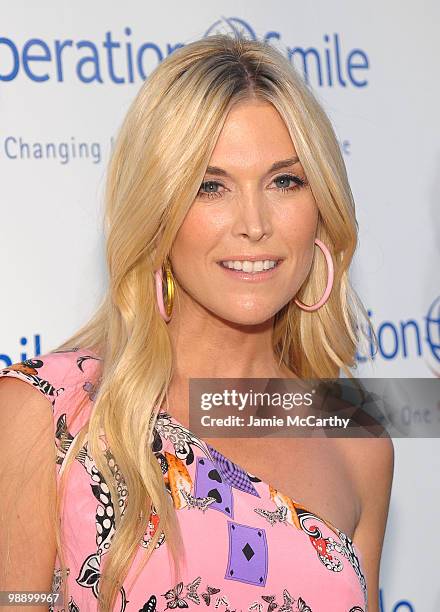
(254, 134)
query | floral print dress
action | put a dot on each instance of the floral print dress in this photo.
(248, 547)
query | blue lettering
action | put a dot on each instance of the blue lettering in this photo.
(16, 60)
(269, 35)
(27, 57)
(23, 342)
(304, 53)
(172, 48)
(391, 327)
(413, 324)
(8, 361)
(362, 66)
(109, 45)
(94, 60)
(129, 57)
(19, 149)
(326, 64)
(397, 606)
(405, 603)
(338, 61)
(59, 46)
(8, 140)
(403, 339)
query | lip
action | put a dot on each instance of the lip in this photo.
(247, 276)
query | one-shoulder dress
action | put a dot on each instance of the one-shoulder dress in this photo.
(248, 546)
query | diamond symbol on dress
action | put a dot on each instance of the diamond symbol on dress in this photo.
(248, 552)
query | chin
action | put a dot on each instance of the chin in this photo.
(254, 316)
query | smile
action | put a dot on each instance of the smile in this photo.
(250, 266)
(250, 270)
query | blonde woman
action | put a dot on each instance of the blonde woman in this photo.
(230, 228)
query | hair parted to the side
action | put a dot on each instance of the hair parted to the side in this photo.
(156, 168)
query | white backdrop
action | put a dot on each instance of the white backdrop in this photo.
(372, 65)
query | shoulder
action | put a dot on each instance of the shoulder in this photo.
(371, 463)
(53, 370)
(51, 373)
(62, 377)
(38, 397)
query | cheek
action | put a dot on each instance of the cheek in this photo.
(297, 231)
(298, 225)
(194, 242)
(200, 232)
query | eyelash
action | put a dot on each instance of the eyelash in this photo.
(300, 183)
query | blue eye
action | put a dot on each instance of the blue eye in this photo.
(287, 178)
(210, 193)
(210, 189)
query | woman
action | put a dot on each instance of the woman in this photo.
(228, 212)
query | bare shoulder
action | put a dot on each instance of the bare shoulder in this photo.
(371, 464)
(25, 414)
(27, 487)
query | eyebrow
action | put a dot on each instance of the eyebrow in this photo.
(282, 163)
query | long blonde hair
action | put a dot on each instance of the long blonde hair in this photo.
(156, 168)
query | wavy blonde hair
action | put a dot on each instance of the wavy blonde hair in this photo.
(158, 163)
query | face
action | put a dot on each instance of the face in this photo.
(254, 210)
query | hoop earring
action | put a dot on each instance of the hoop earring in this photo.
(330, 277)
(165, 310)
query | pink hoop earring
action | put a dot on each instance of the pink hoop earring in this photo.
(330, 277)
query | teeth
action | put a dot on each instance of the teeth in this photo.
(250, 266)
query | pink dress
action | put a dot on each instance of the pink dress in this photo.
(248, 546)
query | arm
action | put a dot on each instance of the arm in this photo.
(27, 490)
(373, 465)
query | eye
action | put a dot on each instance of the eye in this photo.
(211, 188)
(285, 182)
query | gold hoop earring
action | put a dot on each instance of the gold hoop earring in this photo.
(165, 309)
(169, 289)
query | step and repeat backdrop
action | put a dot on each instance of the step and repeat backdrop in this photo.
(68, 72)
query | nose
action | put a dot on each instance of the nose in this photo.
(252, 216)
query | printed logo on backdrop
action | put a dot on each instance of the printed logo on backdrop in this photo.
(120, 59)
(433, 332)
(409, 338)
(402, 605)
(325, 66)
(235, 24)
